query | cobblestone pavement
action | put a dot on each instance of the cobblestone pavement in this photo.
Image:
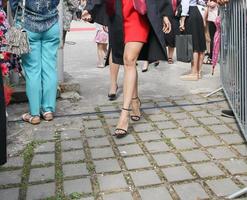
(181, 149)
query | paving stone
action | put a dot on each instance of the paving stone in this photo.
(221, 152)
(187, 123)
(97, 142)
(92, 124)
(75, 170)
(41, 159)
(232, 138)
(106, 152)
(41, 174)
(112, 122)
(155, 193)
(152, 111)
(243, 179)
(95, 132)
(197, 131)
(108, 165)
(235, 166)
(43, 135)
(118, 196)
(108, 108)
(144, 178)
(71, 144)
(190, 107)
(73, 156)
(172, 109)
(164, 104)
(223, 187)
(154, 147)
(110, 182)
(111, 115)
(207, 170)
(45, 147)
(209, 120)
(180, 116)
(82, 185)
(9, 194)
(182, 144)
(200, 114)
(218, 129)
(166, 159)
(179, 173)
(14, 162)
(208, 141)
(235, 127)
(165, 125)
(190, 191)
(126, 140)
(242, 149)
(42, 191)
(71, 134)
(9, 177)
(131, 149)
(136, 162)
(87, 198)
(173, 133)
(159, 117)
(150, 136)
(142, 127)
(194, 156)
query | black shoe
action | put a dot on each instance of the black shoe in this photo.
(227, 113)
(113, 96)
(119, 132)
(156, 63)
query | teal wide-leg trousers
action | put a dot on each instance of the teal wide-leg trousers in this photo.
(40, 70)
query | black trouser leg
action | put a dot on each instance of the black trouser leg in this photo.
(212, 30)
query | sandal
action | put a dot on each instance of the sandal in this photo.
(136, 117)
(170, 61)
(34, 120)
(119, 132)
(208, 61)
(47, 116)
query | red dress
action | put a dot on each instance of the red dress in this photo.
(136, 26)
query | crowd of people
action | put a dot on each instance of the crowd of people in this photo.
(156, 21)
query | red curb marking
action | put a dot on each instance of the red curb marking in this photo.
(82, 29)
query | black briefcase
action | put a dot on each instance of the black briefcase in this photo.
(184, 48)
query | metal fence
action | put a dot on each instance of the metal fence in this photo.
(234, 59)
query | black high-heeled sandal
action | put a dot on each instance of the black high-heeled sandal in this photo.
(113, 96)
(119, 132)
(136, 117)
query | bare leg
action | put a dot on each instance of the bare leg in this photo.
(200, 62)
(101, 54)
(114, 69)
(170, 54)
(145, 66)
(131, 53)
(193, 75)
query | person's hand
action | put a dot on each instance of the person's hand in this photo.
(166, 25)
(86, 16)
(222, 2)
(105, 28)
(181, 24)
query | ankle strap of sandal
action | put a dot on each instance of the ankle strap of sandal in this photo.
(126, 109)
(135, 98)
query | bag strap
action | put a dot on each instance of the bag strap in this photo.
(23, 8)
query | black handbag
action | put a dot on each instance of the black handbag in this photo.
(16, 36)
(184, 48)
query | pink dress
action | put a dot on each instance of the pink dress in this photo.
(216, 49)
(101, 35)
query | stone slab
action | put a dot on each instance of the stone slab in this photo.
(118, 196)
(42, 159)
(194, 156)
(42, 191)
(165, 125)
(221, 152)
(97, 142)
(197, 131)
(95, 132)
(182, 144)
(155, 193)
(108, 165)
(132, 149)
(144, 178)
(235, 166)
(142, 127)
(173, 133)
(41, 174)
(150, 136)
(71, 144)
(111, 182)
(73, 156)
(205, 170)
(154, 147)
(75, 170)
(82, 185)
(179, 173)
(7, 194)
(208, 141)
(45, 147)
(166, 159)
(70, 134)
(105, 152)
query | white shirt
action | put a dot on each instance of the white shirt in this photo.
(186, 5)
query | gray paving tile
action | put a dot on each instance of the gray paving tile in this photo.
(144, 178)
(92, 123)
(41, 174)
(166, 159)
(221, 152)
(75, 170)
(105, 152)
(95, 132)
(235, 166)
(194, 156)
(158, 117)
(9, 177)
(223, 187)
(187, 123)
(242, 149)
(112, 122)
(154, 147)
(209, 120)
(197, 131)
(70, 134)
(232, 138)
(45, 147)
(142, 127)
(73, 156)
(41, 159)
(71, 144)
(178, 116)
(110, 182)
(183, 144)
(155, 193)
(97, 142)
(126, 140)
(190, 191)
(172, 109)
(42, 191)
(166, 125)
(118, 196)
(14, 162)
(82, 185)
(11, 194)
(153, 111)
(108, 165)
(42, 135)
(173, 133)
(137, 162)
(218, 129)
(243, 179)
(131, 149)
(179, 173)
(208, 141)
(207, 170)
(200, 114)
(150, 136)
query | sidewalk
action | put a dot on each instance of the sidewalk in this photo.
(181, 149)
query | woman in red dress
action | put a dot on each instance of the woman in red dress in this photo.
(132, 37)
